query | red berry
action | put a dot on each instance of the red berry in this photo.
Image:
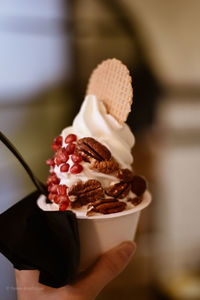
(62, 199)
(55, 179)
(49, 187)
(61, 156)
(76, 168)
(52, 197)
(57, 143)
(63, 206)
(56, 199)
(58, 140)
(64, 168)
(70, 138)
(53, 188)
(51, 170)
(62, 189)
(76, 158)
(50, 162)
(58, 161)
(49, 180)
(55, 147)
(52, 179)
(70, 148)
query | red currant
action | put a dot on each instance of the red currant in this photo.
(76, 158)
(58, 140)
(62, 189)
(61, 156)
(56, 199)
(58, 161)
(59, 198)
(70, 138)
(51, 170)
(64, 168)
(53, 188)
(52, 197)
(50, 162)
(57, 143)
(55, 147)
(76, 168)
(52, 179)
(63, 206)
(70, 148)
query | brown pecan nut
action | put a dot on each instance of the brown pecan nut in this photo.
(101, 201)
(119, 190)
(125, 175)
(106, 206)
(76, 204)
(90, 148)
(86, 192)
(106, 166)
(135, 201)
(138, 185)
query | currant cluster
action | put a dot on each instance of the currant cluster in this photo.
(57, 192)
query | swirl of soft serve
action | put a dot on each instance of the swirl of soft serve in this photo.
(93, 121)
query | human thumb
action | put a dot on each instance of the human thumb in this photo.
(111, 264)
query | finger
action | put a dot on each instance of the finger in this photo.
(111, 264)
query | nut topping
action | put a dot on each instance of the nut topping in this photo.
(125, 175)
(98, 199)
(106, 206)
(138, 185)
(106, 166)
(119, 190)
(135, 201)
(90, 148)
(86, 192)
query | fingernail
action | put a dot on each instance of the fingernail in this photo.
(128, 248)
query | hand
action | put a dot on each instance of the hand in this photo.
(86, 287)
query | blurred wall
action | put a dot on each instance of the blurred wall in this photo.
(34, 64)
(169, 31)
(163, 36)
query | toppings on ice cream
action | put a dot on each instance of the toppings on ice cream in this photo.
(91, 168)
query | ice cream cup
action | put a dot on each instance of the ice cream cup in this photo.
(103, 232)
(99, 233)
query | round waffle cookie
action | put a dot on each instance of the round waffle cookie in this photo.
(111, 83)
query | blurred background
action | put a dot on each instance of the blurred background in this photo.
(47, 51)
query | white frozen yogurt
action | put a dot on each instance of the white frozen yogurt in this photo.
(93, 121)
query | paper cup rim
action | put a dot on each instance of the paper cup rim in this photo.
(145, 202)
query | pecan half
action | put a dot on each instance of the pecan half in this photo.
(106, 206)
(90, 148)
(106, 166)
(125, 175)
(119, 190)
(76, 204)
(86, 192)
(135, 200)
(138, 185)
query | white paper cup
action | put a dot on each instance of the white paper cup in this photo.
(101, 233)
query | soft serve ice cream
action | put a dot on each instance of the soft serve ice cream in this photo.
(91, 170)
